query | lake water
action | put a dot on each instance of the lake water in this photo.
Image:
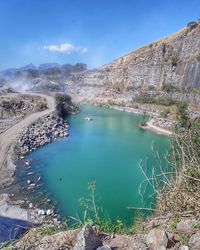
(107, 150)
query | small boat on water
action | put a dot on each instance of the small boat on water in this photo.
(88, 119)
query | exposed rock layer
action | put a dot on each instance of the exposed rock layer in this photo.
(173, 60)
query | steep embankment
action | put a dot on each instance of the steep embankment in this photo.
(9, 137)
(15, 106)
(173, 60)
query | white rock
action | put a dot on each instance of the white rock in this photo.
(185, 225)
(184, 248)
(29, 182)
(194, 242)
(32, 185)
(30, 205)
(41, 212)
(27, 163)
(105, 247)
(49, 211)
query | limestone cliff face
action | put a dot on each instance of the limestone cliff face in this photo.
(172, 60)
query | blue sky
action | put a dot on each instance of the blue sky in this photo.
(94, 32)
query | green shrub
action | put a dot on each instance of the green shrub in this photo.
(168, 87)
(174, 222)
(198, 57)
(149, 99)
(51, 230)
(174, 60)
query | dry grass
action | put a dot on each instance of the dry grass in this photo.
(177, 185)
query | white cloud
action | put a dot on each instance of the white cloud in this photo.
(66, 48)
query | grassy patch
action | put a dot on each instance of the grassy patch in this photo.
(168, 87)
(51, 230)
(174, 222)
(183, 238)
(198, 57)
(174, 61)
(149, 99)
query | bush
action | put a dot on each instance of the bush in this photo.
(168, 87)
(174, 60)
(198, 57)
(149, 99)
(64, 105)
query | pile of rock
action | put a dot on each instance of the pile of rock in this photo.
(41, 133)
(163, 123)
(89, 238)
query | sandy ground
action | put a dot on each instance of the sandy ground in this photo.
(158, 130)
(9, 137)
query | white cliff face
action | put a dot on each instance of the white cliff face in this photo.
(172, 60)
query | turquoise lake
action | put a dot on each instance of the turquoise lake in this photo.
(107, 150)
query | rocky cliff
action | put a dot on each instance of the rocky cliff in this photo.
(173, 60)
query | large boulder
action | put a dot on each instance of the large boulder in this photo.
(157, 239)
(88, 239)
(125, 242)
(185, 225)
(194, 242)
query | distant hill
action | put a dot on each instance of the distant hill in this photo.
(12, 73)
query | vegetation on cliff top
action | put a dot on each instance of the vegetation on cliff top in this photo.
(64, 105)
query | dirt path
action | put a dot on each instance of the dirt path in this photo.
(8, 139)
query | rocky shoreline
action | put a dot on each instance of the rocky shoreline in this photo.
(41, 132)
(14, 201)
(156, 124)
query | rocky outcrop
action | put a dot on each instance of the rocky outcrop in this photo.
(64, 105)
(90, 238)
(173, 60)
(42, 132)
(87, 238)
(48, 127)
(194, 242)
(157, 239)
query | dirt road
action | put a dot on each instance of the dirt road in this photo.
(8, 139)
